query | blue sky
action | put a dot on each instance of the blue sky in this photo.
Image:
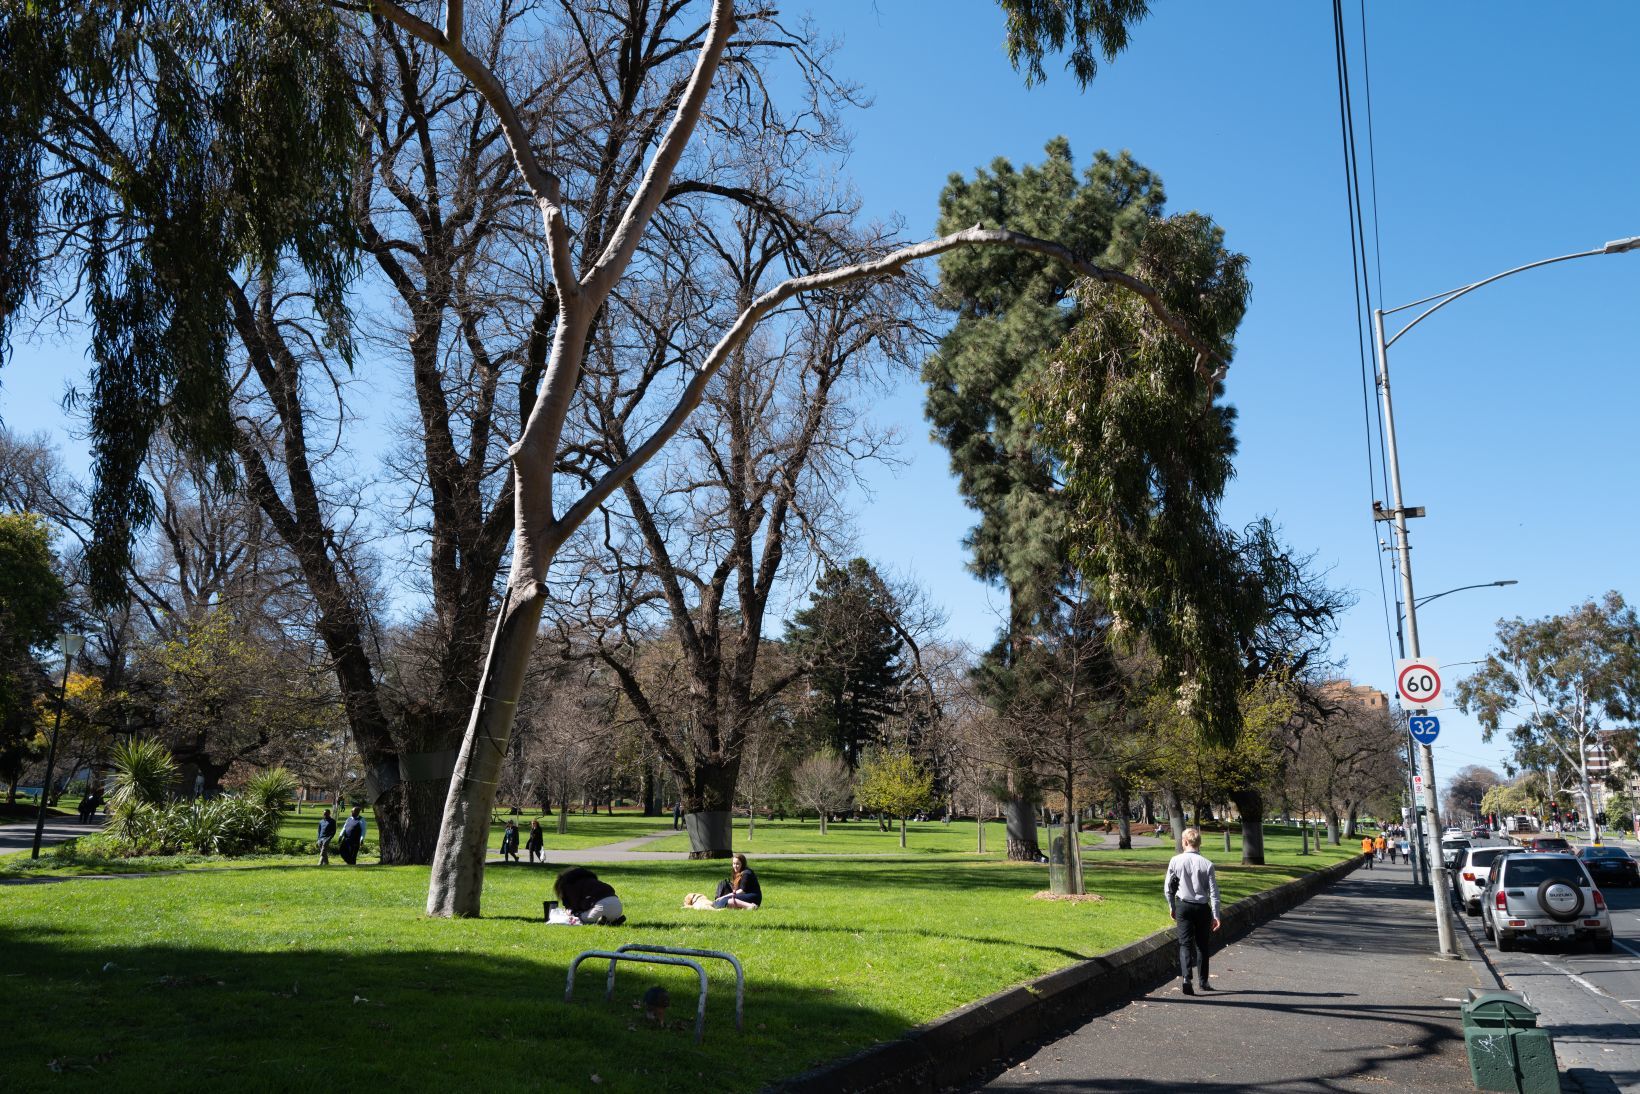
(1504, 134)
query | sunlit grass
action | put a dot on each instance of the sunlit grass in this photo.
(288, 977)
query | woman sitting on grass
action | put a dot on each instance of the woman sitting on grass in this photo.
(740, 889)
(587, 898)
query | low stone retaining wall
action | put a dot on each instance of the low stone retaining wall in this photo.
(944, 1052)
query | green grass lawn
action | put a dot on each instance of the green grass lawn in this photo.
(278, 978)
(802, 837)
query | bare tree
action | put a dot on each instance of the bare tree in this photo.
(823, 783)
(611, 236)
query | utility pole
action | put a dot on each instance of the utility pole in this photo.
(1440, 892)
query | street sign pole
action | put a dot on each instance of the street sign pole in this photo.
(1440, 891)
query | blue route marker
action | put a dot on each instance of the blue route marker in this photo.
(1424, 729)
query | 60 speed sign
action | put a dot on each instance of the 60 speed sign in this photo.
(1418, 681)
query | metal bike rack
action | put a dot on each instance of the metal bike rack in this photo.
(740, 973)
(612, 957)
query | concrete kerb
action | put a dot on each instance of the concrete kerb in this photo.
(944, 1052)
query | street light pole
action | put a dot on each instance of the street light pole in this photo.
(1398, 516)
(1426, 756)
(71, 646)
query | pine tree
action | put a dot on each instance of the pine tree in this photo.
(847, 636)
(1012, 311)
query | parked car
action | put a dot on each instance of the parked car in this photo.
(1480, 831)
(1470, 875)
(1452, 849)
(1609, 865)
(1548, 844)
(1545, 898)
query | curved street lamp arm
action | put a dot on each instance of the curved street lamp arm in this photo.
(1445, 298)
(1422, 600)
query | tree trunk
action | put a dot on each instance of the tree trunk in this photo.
(902, 833)
(1020, 810)
(979, 823)
(1350, 817)
(1147, 802)
(651, 802)
(822, 822)
(1250, 804)
(1175, 816)
(563, 817)
(707, 805)
(1021, 818)
(1332, 825)
(457, 884)
(1124, 826)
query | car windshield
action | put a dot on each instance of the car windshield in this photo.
(1552, 844)
(1522, 873)
(1603, 852)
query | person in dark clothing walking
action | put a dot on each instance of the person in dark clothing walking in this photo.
(509, 843)
(740, 889)
(327, 832)
(1192, 891)
(535, 842)
(352, 837)
(677, 815)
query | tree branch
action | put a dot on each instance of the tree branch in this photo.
(891, 263)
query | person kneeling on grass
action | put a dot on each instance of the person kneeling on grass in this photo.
(587, 898)
(740, 888)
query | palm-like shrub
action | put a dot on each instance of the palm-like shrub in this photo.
(143, 773)
(270, 791)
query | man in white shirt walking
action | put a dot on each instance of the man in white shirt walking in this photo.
(1192, 891)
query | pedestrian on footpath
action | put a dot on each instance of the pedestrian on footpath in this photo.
(1394, 849)
(1380, 845)
(1192, 891)
(327, 832)
(509, 843)
(536, 841)
(1368, 845)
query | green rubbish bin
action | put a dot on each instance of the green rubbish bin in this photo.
(1507, 1050)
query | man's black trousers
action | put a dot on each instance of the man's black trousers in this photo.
(1195, 923)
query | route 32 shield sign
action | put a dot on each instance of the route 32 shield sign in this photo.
(1424, 728)
(1418, 682)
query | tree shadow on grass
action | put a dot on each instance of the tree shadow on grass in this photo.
(165, 1017)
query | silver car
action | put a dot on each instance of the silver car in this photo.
(1544, 897)
(1469, 876)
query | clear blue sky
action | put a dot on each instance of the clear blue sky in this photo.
(1504, 133)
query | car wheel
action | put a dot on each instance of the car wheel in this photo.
(1486, 927)
(1506, 942)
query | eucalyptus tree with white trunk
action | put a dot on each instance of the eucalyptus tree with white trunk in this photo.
(582, 281)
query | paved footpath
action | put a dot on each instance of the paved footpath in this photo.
(20, 837)
(1339, 994)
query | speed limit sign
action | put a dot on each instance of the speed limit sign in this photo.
(1418, 681)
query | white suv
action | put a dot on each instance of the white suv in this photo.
(1545, 897)
(1469, 876)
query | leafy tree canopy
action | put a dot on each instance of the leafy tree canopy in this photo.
(1145, 451)
(1012, 310)
(847, 636)
(149, 151)
(1087, 27)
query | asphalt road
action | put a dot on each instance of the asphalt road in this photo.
(1590, 1002)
